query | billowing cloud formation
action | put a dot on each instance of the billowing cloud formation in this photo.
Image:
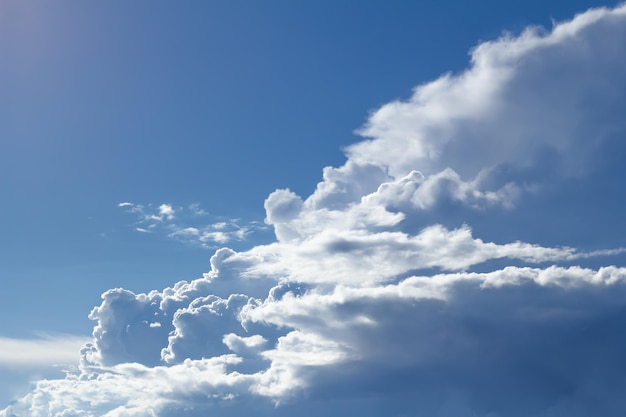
(378, 297)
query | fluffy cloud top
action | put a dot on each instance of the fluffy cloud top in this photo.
(365, 303)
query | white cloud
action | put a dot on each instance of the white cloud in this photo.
(197, 210)
(239, 343)
(167, 211)
(363, 258)
(24, 360)
(366, 305)
(43, 350)
(183, 224)
(419, 325)
(516, 99)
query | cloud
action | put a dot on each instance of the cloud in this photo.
(542, 91)
(24, 360)
(374, 299)
(361, 258)
(531, 332)
(189, 225)
(166, 211)
(43, 350)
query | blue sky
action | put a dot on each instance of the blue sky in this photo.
(437, 176)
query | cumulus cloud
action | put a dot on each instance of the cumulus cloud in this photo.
(522, 96)
(365, 303)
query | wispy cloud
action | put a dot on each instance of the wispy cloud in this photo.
(42, 350)
(191, 225)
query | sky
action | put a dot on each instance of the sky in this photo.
(359, 208)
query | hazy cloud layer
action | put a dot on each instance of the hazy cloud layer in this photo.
(370, 302)
(43, 350)
(23, 360)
